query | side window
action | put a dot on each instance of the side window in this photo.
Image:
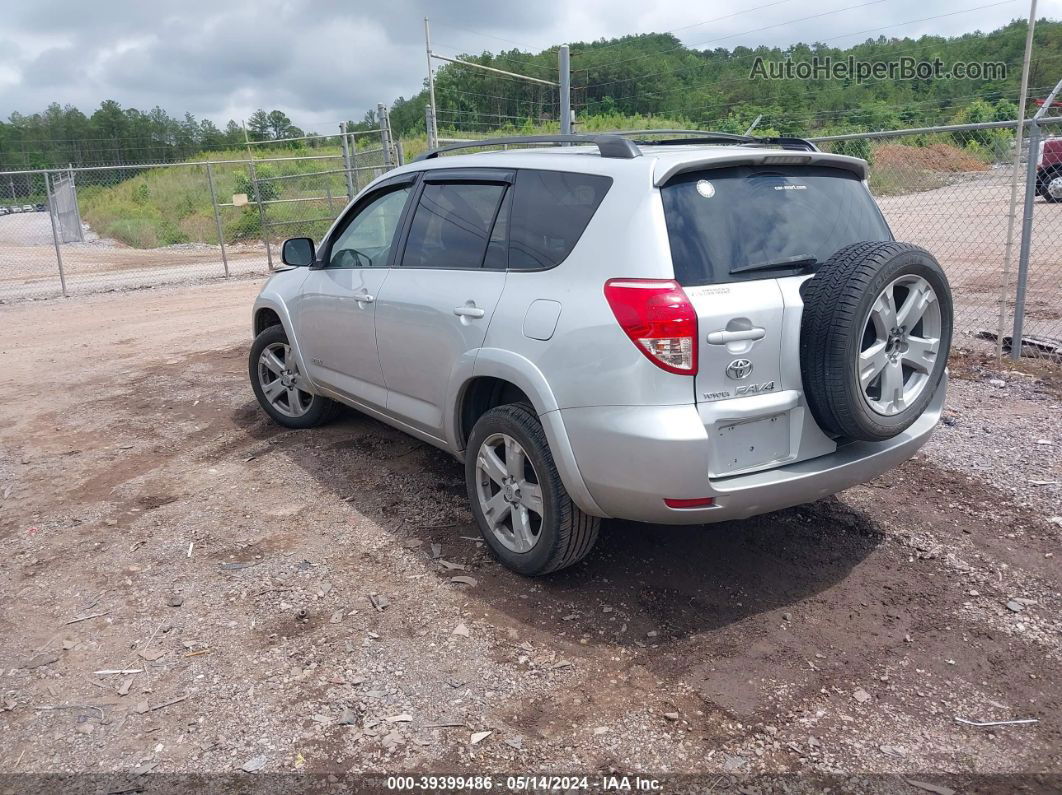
(366, 241)
(550, 212)
(451, 226)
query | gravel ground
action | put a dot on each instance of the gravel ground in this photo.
(1005, 428)
(286, 601)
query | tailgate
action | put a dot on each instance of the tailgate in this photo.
(748, 382)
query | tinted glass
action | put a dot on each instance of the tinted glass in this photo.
(726, 224)
(550, 211)
(452, 225)
(367, 240)
(498, 248)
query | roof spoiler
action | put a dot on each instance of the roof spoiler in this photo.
(765, 158)
(713, 137)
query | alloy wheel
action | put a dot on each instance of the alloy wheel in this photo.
(509, 492)
(899, 346)
(279, 378)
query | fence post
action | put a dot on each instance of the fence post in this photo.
(565, 70)
(385, 135)
(77, 207)
(55, 231)
(217, 216)
(346, 158)
(261, 211)
(355, 187)
(1026, 240)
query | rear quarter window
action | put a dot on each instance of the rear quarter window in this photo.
(728, 224)
(549, 213)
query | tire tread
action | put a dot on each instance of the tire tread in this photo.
(576, 531)
(831, 303)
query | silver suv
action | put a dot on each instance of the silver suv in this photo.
(685, 331)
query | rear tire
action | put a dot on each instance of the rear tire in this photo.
(521, 506)
(281, 388)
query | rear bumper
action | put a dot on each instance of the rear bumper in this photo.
(632, 457)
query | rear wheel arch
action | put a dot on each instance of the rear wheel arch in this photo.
(520, 372)
(479, 395)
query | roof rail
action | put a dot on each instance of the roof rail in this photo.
(708, 136)
(608, 145)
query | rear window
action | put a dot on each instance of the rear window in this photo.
(752, 222)
(550, 210)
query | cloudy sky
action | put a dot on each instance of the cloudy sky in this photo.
(325, 60)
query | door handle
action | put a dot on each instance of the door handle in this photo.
(364, 298)
(468, 311)
(723, 337)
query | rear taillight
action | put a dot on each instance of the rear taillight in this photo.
(659, 319)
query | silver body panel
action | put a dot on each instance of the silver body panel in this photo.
(624, 433)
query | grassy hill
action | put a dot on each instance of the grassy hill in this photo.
(171, 204)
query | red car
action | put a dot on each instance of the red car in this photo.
(1049, 170)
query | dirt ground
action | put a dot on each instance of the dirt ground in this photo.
(29, 268)
(285, 601)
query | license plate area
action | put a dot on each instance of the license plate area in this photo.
(749, 444)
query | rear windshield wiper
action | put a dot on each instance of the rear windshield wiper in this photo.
(800, 260)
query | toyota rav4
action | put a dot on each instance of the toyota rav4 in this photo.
(686, 330)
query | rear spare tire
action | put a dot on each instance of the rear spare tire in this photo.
(874, 338)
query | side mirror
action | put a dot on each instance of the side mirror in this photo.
(298, 252)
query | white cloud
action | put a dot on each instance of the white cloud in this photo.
(326, 60)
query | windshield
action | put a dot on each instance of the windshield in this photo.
(756, 222)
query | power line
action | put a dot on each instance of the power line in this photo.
(488, 35)
(494, 57)
(832, 38)
(726, 82)
(947, 102)
(742, 33)
(599, 48)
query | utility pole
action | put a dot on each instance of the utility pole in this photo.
(565, 69)
(1005, 286)
(432, 121)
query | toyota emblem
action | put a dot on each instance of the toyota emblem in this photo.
(739, 368)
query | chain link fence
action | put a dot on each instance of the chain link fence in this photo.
(80, 230)
(947, 189)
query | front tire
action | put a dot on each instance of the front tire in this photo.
(521, 506)
(280, 387)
